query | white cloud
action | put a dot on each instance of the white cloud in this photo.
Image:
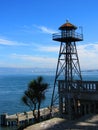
(45, 48)
(45, 29)
(36, 61)
(11, 43)
(88, 56)
(49, 48)
(87, 53)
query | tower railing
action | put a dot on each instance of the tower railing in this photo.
(67, 35)
(84, 86)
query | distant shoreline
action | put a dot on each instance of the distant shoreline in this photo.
(35, 71)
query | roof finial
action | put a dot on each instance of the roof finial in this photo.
(67, 20)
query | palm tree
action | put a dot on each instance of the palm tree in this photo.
(34, 96)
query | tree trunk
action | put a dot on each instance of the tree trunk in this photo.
(34, 114)
(39, 111)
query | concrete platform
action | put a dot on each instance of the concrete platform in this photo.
(88, 122)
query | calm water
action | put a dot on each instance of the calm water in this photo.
(12, 88)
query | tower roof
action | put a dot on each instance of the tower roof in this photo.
(67, 26)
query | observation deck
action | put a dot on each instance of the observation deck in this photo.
(67, 37)
(85, 90)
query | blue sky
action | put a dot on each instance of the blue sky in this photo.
(26, 28)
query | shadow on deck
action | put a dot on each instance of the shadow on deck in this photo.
(87, 122)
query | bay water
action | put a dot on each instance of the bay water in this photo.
(12, 87)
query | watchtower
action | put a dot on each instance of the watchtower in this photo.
(68, 68)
